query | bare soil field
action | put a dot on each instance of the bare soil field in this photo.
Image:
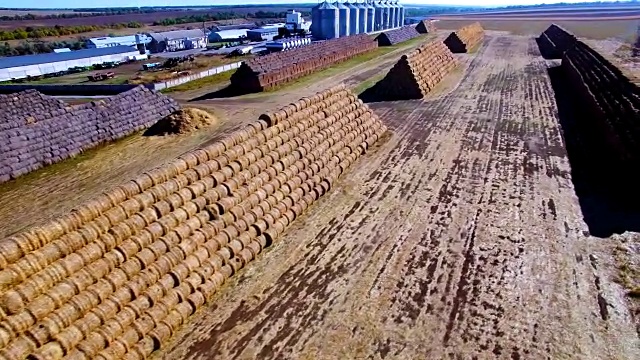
(459, 236)
(36, 12)
(147, 18)
(599, 30)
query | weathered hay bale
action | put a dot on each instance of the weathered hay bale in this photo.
(183, 121)
(465, 38)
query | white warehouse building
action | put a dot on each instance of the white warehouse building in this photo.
(108, 41)
(20, 67)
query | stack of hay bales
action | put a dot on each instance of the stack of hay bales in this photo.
(119, 275)
(37, 130)
(417, 73)
(607, 102)
(555, 41)
(465, 38)
(397, 36)
(266, 72)
(426, 27)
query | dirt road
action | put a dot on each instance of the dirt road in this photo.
(459, 236)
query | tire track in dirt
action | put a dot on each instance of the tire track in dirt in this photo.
(457, 236)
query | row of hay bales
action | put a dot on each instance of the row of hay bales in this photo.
(397, 36)
(118, 276)
(610, 102)
(417, 73)
(555, 41)
(426, 27)
(266, 72)
(37, 130)
(465, 39)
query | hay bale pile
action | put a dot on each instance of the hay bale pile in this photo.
(555, 41)
(183, 121)
(417, 73)
(465, 38)
(397, 36)
(40, 133)
(265, 72)
(119, 275)
(426, 27)
(609, 103)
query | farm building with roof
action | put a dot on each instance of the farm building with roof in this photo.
(111, 41)
(177, 40)
(262, 34)
(227, 35)
(20, 67)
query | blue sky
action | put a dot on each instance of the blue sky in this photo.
(123, 3)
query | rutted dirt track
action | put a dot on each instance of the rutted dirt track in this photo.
(459, 236)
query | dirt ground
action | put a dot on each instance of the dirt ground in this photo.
(460, 236)
(624, 29)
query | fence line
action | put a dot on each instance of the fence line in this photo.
(179, 81)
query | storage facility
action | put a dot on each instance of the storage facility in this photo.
(177, 40)
(227, 35)
(20, 67)
(287, 44)
(112, 41)
(343, 18)
(246, 26)
(262, 34)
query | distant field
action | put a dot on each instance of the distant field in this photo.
(567, 13)
(141, 18)
(622, 29)
(36, 12)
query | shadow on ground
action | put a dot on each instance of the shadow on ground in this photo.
(608, 199)
(224, 93)
(372, 95)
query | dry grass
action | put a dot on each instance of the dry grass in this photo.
(597, 29)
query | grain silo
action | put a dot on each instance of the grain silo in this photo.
(315, 20)
(396, 13)
(343, 18)
(328, 22)
(362, 17)
(401, 16)
(354, 18)
(379, 21)
(385, 14)
(392, 14)
(371, 16)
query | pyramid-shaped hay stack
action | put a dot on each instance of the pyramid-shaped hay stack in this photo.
(119, 275)
(426, 27)
(465, 38)
(417, 73)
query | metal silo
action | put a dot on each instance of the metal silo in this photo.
(328, 24)
(386, 15)
(379, 17)
(343, 16)
(315, 20)
(401, 16)
(371, 16)
(354, 18)
(362, 17)
(395, 17)
(392, 15)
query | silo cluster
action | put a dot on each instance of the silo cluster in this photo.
(338, 19)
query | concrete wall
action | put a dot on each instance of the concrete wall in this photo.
(186, 79)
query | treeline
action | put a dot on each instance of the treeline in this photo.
(78, 13)
(226, 15)
(40, 47)
(58, 30)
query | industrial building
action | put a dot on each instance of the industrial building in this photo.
(177, 40)
(20, 67)
(262, 34)
(337, 19)
(112, 41)
(246, 26)
(227, 35)
(295, 21)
